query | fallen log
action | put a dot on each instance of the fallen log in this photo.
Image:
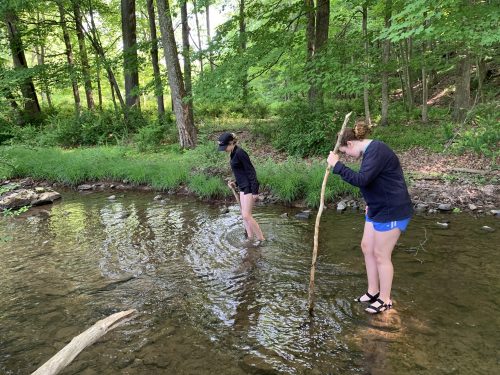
(69, 352)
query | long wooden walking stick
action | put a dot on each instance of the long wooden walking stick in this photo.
(318, 217)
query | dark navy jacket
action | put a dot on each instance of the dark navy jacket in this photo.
(381, 182)
(243, 170)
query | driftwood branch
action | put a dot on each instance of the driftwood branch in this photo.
(69, 352)
(318, 217)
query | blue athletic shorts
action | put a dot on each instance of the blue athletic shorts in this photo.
(384, 227)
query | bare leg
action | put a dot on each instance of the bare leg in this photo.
(384, 245)
(247, 202)
(368, 247)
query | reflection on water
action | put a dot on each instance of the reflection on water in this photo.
(210, 302)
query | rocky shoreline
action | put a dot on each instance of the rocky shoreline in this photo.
(428, 195)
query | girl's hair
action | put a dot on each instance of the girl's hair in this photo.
(235, 139)
(356, 133)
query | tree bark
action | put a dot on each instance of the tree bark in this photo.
(69, 57)
(83, 55)
(40, 54)
(130, 61)
(405, 53)
(31, 106)
(98, 79)
(96, 44)
(186, 55)
(462, 88)
(386, 53)
(243, 47)
(183, 113)
(154, 58)
(425, 80)
(64, 357)
(200, 58)
(368, 120)
(207, 11)
(311, 27)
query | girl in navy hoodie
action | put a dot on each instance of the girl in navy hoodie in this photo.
(388, 212)
(246, 180)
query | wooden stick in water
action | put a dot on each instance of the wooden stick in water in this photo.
(318, 217)
(69, 352)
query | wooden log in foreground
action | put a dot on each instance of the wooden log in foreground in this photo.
(318, 217)
(80, 342)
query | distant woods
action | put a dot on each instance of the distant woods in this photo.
(156, 56)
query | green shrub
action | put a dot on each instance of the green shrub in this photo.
(303, 131)
(207, 187)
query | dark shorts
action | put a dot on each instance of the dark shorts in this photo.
(384, 227)
(246, 190)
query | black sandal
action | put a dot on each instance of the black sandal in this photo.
(370, 300)
(382, 307)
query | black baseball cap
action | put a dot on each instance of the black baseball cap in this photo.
(224, 140)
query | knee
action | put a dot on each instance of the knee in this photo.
(381, 257)
(246, 216)
(367, 248)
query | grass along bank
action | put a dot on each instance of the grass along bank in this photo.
(201, 171)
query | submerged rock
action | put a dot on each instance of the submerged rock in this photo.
(304, 215)
(442, 225)
(487, 228)
(341, 206)
(445, 207)
(84, 187)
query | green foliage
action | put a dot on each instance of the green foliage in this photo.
(306, 131)
(207, 186)
(9, 212)
(482, 133)
(153, 135)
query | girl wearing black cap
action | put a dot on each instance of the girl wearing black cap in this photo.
(246, 180)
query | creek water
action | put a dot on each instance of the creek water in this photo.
(210, 303)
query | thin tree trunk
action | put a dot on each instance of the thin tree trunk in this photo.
(130, 61)
(98, 79)
(31, 106)
(96, 44)
(207, 11)
(200, 58)
(462, 88)
(186, 55)
(425, 79)
(320, 43)
(183, 114)
(243, 47)
(69, 57)
(155, 60)
(386, 53)
(83, 55)
(311, 27)
(40, 54)
(366, 94)
(407, 73)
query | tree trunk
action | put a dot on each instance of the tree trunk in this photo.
(311, 26)
(130, 61)
(405, 53)
(386, 53)
(317, 37)
(207, 11)
(31, 106)
(83, 55)
(96, 44)
(98, 79)
(462, 88)
(368, 120)
(155, 60)
(186, 55)
(183, 113)
(243, 47)
(40, 54)
(425, 79)
(69, 57)
(195, 5)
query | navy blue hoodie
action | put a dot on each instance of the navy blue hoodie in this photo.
(243, 170)
(380, 179)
